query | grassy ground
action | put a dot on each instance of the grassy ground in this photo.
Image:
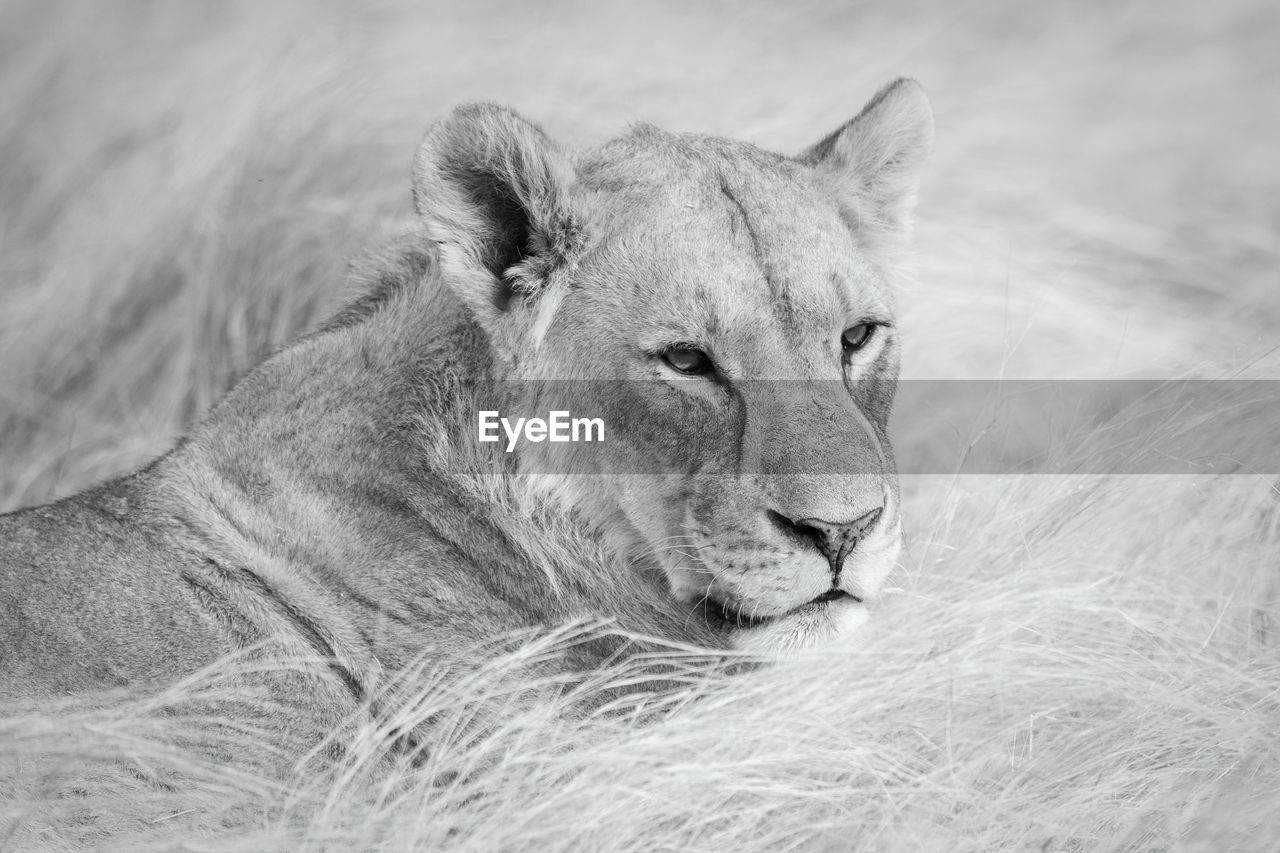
(1083, 662)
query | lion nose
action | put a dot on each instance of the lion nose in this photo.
(833, 539)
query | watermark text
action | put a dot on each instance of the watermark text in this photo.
(557, 426)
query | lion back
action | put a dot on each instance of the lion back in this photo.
(91, 597)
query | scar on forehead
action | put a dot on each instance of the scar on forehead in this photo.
(841, 286)
(758, 250)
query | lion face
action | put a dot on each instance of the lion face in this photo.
(727, 313)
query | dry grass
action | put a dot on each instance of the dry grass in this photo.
(1073, 663)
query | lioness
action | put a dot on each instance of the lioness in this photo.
(338, 501)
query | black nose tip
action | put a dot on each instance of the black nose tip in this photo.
(833, 539)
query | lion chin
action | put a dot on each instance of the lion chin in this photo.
(818, 624)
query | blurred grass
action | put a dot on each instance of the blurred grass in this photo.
(184, 184)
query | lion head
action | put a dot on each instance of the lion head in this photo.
(727, 312)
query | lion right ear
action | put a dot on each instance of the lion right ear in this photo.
(493, 192)
(875, 161)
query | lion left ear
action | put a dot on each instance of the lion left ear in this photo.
(875, 160)
(492, 190)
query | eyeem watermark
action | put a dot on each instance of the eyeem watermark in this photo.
(558, 426)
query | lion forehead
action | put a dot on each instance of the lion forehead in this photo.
(649, 155)
(711, 232)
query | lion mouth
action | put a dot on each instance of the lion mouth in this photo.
(726, 614)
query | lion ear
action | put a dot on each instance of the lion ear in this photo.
(875, 160)
(493, 192)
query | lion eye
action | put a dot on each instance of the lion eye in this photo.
(856, 337)
(688, 360)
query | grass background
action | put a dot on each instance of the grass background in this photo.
(1083, 662)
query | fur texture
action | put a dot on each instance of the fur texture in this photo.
(330, 506)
